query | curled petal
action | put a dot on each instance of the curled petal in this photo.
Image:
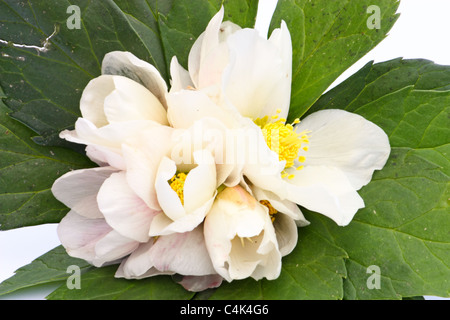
(126, 64)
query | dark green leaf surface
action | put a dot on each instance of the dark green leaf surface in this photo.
(100, 284)
(27, 172)
(327, 38)
(48, 268)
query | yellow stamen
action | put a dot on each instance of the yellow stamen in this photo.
(272, 210)
(177, 184)
(284, 140)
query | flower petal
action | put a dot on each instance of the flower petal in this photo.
(112, 247)
(182, 253)
(181, 79)
(168, 199)
(126, 64)
(188, 106)
(124, 211)
(287, 233)
(201, 283)
(267, 85)
(281, 205)
(79, 235)
(131, 101)
(325, 190)
(93, 99)
(346, 141)
(78, 190)
(200, 184)
(208, 41)
(143, 155)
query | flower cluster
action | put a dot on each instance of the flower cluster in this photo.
(205, 179)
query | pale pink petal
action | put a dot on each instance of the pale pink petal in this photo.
(112, 247)
(201, 283)
(78, 190)
(79, 235)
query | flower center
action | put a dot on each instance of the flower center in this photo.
(284, 140)
(177, 185)
(272, 210)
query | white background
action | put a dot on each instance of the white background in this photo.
(422, 31)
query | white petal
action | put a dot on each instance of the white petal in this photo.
(205, 43)
(346, 141)
(257, 65)
(187, 106)
(162, 225)
(131, 101)
(79, 235)
(93, 98)
(325, 190)
(281, 205)
(123, 209)
(200, 184)
(286, 232)
(78, 190)
(126, 64)
(168, 199)
(143, 155)
(112, 247)
(111, 135)
(180, 77)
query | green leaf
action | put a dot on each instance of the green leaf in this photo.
(48, 268)
(327, 38)
(43, 89)
(100, 284)
(314, 270)
(404, 227)
(27, 172)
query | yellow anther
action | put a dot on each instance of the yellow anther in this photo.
(177, 185)
(272, 210)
